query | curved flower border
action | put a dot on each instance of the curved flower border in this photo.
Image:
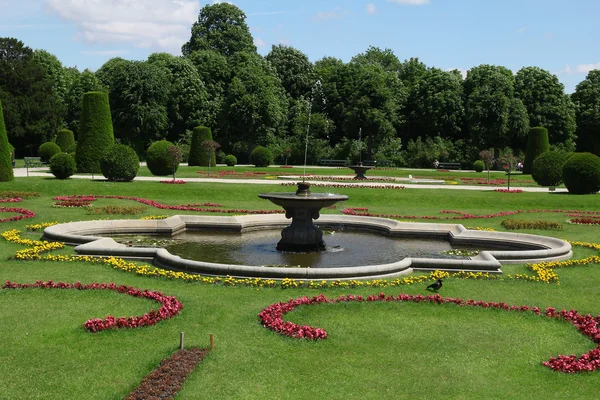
(23, 213)
(272, 318)
(170, 306)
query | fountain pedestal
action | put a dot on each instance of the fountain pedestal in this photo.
(302, 235)
(360, 170)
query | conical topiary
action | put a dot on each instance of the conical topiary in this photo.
(537, 143)
(200, 155)
(6, 171)
(95, 132)
(65, 140)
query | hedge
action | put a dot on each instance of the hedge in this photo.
(65, 140)
(537, 143)
(199, 156)
(95, 131)
(6, 170)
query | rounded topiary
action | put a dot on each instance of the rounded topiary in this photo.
(261, 157)
(581, 173)
(230, 160)
(120, 163)
(62, 165)
(158, 158)
(6, 171)
(95, 131)
(478, 166)
(47, 150)
(547, 168)
(199, 155)
(66, 140)
(537, 143)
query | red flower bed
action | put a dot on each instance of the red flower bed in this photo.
(508, 191)
(174, 181)
(272, 318)
(585, 221)
(345, 185)
(170, 306)
(23, 214)
(11, 200)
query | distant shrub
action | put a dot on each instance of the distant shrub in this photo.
(531, 224)
(478, 166)
(66, 140)
(200, 156)
(547, 168)
(112, 210)
(120, 163)
(158, 159)
(95, 131)
(537, 143)
(581, 173)
(230, 160)
(47, 150)
(261, 157)
(62, 165)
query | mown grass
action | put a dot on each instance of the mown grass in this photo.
(373, 351)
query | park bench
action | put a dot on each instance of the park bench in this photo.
(448, 165)
(333, 163)
(31, 162)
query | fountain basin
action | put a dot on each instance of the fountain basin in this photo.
(87, 235)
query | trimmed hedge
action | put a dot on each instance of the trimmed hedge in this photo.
(478, 166)
(62, 165)
(513, 224)
(120, 163)
(6, 171)
(581, 173)
(199, 156)
(547, 168)
(47, 150)
(66, 140)
(261, 157)
(230, 160)
(537, 143)
(158, 158)
(95, 131)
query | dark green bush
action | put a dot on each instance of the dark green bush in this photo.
(62, 165)
(537, 143)
(581, 173)
(261, 157)
(158, 158)
(120, 163)
(478, 166)
(66, 140)
(199, 155)
(547, 168)
(95, 131)
(531, 224)
(6, 171)
(47, 150)
(230, 160)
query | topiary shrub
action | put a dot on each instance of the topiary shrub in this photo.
(47, 150)
(230, 160)
(537, 143)
(261, 157)
(95, 131)
(547, 168)
(581, 173)
(158, 158)
(65, 140)
(6, 171)
(199, 155)
(120, 163)
(62, 165)
(478, 166)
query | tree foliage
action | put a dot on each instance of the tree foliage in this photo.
(84, 82)
(6, 170)
(96, 131)
(587, 101)
(294, 70)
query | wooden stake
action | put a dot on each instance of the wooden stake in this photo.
(181, 340)
(212, 342)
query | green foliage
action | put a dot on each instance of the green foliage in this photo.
(537, 143)
(422, 154)
(547, 168)
(116, 210)
(294, 69)
(581, 173)
(513, 224)
(478, 166)
(62, 165)
(6, 152)
(261, 157)
(84, 82)
(199, 154)
(587, 100)
(47, 151)
(96, 131)
(158, 159)
(230, 160)
(120, 163)
(66, 140)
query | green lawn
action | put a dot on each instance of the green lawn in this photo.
(374, 351)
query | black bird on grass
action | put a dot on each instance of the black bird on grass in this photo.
(435, 286)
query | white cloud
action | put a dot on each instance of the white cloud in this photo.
(160, 24)
(258, 42)
(523, 29)
(410, 2)
(462, 71)
(567, 70)
(586, 68)
(103, 53)
(371, 9)
(327, 15)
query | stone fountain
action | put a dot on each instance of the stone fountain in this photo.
(360, 170)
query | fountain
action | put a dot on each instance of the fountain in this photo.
(360, 169)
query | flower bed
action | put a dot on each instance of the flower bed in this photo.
(18, 194)
(585, 221)
(512, 224)
(508, 190)
(23, 214)
(345, 185)
(170, 306)
(174, 181)
(272, 318)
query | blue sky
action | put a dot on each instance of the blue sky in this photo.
(557, 35)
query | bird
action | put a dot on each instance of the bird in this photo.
(435, 286)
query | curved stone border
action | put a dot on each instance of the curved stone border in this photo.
(87, 235)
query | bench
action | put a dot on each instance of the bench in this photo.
(31, 162)
(448, 165)
(333, 163)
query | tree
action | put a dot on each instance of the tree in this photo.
(85, 81)
(293, 69)
(488, 160)
(96, 132)
(537, 144)
(386, 59)
(411, 71)
(547, 104)
(587, 101)
(6, 170)
(220, 27)
(62, 78)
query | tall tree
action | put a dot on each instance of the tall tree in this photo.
(547, 104)
(220, 27)
(411, 71)
(62, 78)
(85, 81)
(386, 59)
(293, 69)
(587, 102)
